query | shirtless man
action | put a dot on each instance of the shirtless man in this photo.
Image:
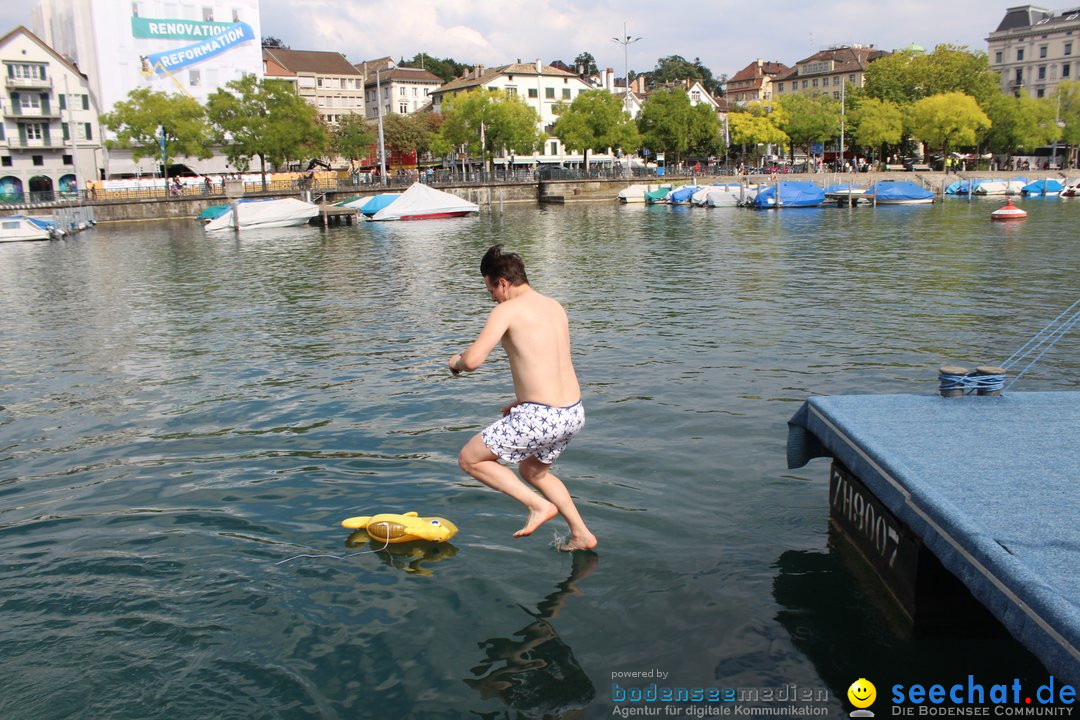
(547, 412)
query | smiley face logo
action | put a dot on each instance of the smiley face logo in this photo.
(862, 693)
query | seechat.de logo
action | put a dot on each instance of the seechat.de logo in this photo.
(862, 695)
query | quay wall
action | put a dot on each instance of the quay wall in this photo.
(128, 209)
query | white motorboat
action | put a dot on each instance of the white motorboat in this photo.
(633, 194)
(269, 213)
(725, 196)
(421, 202)
(16, 228)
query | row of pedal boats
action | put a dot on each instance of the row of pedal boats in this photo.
(783, 194)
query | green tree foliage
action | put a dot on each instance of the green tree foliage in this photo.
(585, 64)
(352, 138)
(272, 42)
(750, 129)
(1020, 123)
(809, 119)
(596, 121)
(265, 119)
(907, 77)
(446, 68)
(706, 136)
(675, 68)
(401, 133)
(140, 121)
(876, 123)
(947, 120)
(505, 123)
(665, 121)
(1067, 96)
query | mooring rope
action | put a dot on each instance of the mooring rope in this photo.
(1045, 338)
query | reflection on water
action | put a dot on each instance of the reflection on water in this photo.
(415, 558)
(534, 671)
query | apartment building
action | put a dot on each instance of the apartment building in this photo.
(828, 71)
(1033, 49)
(50, 141)
(404, 90)
(326, 80)
(754, 82)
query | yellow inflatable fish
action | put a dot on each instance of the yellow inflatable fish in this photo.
(393, 528)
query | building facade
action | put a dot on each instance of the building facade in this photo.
(541, 87)
(1034, 49)
(399, 90)
(192, 47)
(754, 83)
(326, 80)
(50, 141)
(828, 72)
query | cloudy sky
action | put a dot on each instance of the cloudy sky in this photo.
(726, 35)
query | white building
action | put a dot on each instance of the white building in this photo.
(1034, 49)
(50, 135)
(405, 90)
(192, 47)
(542, 87)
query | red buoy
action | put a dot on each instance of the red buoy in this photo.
(1008, 211)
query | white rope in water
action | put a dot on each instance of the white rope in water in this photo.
(338, 557)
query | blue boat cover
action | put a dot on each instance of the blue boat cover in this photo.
(1046, 186)
(899, 190)
(682, 195)
(214, 212)
(378, 202)
(792, 194)
(988, 483)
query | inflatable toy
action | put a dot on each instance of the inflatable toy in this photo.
(393, 528)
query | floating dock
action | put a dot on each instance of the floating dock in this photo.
(990, 486)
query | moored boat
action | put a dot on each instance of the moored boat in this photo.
(264, 213)
(681, 196)
(658, 195)
(16, 228)
(633, 194)
(1046, 186)
(899, 192)
(789, 194)
(845, 193)
(421, 202)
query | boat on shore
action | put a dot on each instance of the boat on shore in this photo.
(421, 202)
(264, 213)
(17, 228)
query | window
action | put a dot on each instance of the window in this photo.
(1065, 69)
(813, 82)
(532, 93)
(403, 91)
(511, 92)
(416, 92)
(1042, 72)
(549, 93)
(554, 147)
(208, 14)
(851, 78)
(35, 131)
(1068, 48)
(1042, 51)
(1040, 93)
(804, 84)
(403, 108)
(6, 161)
(779, 87)
(38, 159)
(85, 102)
(836, 94)
(65, 159)
(88, 134)
(65, 132)
(997, 57)
(1019, 76)
(566, 93)
(63, 101)
(193, 78)
(836, 80)
(30, 101)
(1019, 54)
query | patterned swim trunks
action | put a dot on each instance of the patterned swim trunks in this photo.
(532, 429)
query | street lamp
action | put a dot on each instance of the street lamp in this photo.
(626, 41)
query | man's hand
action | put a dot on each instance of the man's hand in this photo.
(455, 364)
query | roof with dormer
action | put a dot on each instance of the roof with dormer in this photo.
(846, 59)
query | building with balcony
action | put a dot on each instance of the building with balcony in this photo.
(541, 87)
(326, 80)
(400, 90)
(754, 83)
(50, 141)
(192, 47)
(829, 71)
(1033, 49)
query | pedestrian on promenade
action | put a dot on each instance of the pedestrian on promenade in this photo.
(546, 413)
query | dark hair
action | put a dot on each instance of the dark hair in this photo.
(497, 264)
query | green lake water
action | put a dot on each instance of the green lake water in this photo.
(183, 412)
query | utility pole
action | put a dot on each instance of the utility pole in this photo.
(626, 41)
(382, 143)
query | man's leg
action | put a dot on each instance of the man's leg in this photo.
(477, 460)
(539, 475)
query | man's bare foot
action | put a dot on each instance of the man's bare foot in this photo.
(537, 518)
(585, 541)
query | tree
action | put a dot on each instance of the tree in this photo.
(906, 77)
(665, 122)
(352, 139)
(445, 68)
(155, 124)
(272, 42)
(1020, 123)
(748, 129)
(809, 119)
(585, 65)
(265, 119)
(877, 123)
(947, 120)
(1067, 97)
(675, 68)
(705, 136)
(401, 133)
(487, 121)
(596, 121)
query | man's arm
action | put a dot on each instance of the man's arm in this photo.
(497, 324)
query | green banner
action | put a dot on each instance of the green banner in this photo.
(176, 29)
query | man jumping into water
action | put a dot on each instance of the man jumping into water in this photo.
(547, 412)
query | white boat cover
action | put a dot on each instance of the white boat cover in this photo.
(634, 193)
(21, 227)
(279, 212)
(423, 201)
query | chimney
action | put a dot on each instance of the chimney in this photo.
(539, 66)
